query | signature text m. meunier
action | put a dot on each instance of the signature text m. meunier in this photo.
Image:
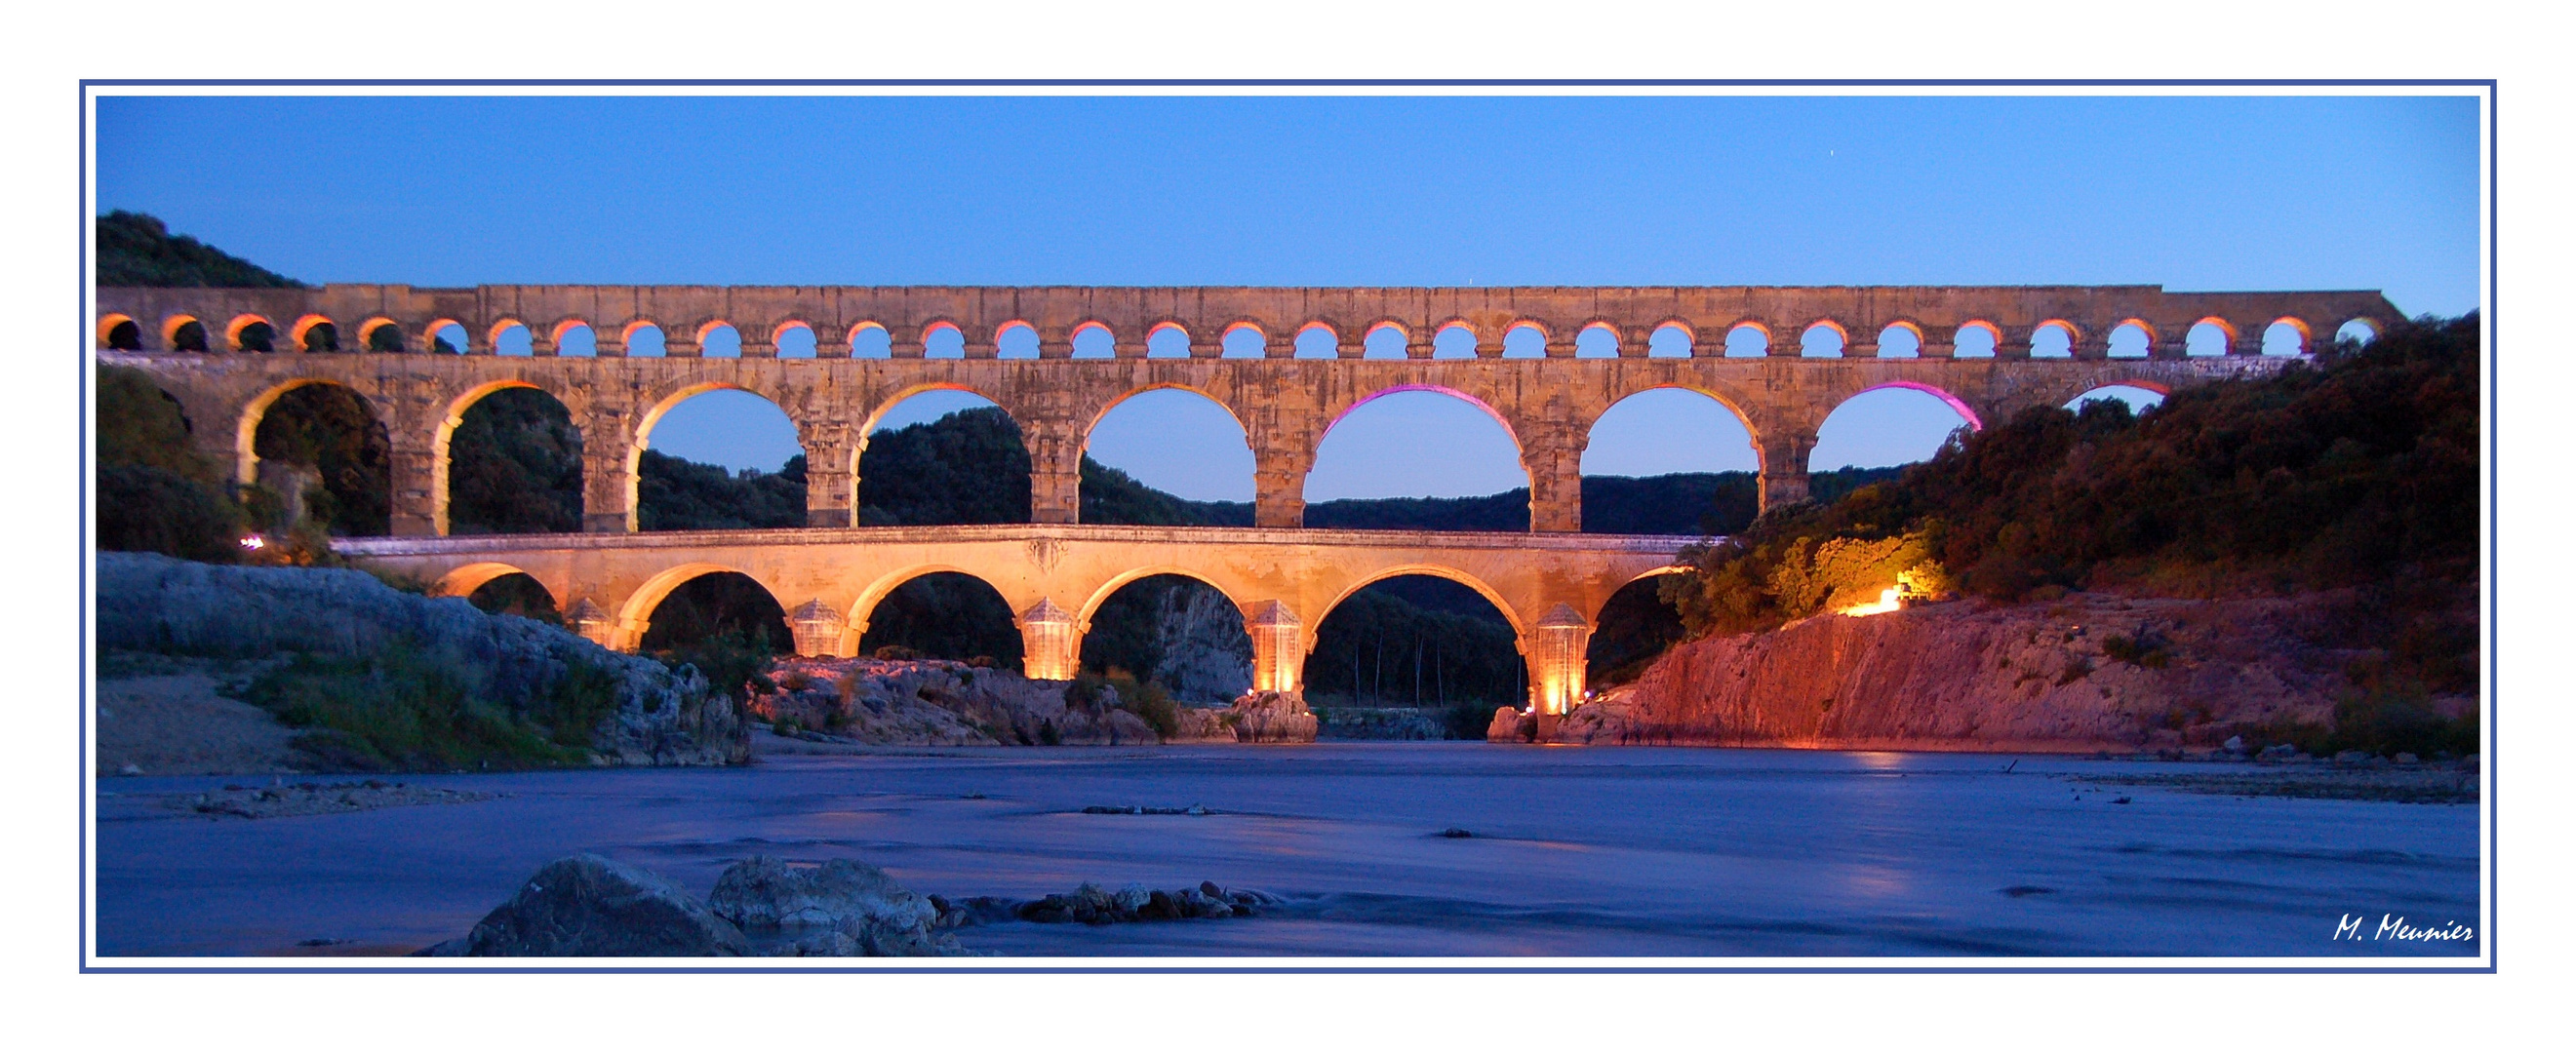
(2394, 927)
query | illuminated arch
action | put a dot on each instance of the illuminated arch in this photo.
(246, 434)
(170, 329)
(1725, 400)
(1110, 588)
(1169, 385)
(1189, 344)
(1316, 624)
(1957, 405)
(304, 327)
(441, 462)
(635, 616)
(1904, 325)
(1994, 336)
(429, 336)
(107, 328)
(462, 581)
(555, 336)
(1391, 389)
(233, 330)
(887, 405)
(492, 336)
(374, 324)
(2307, 339)
(866, 604)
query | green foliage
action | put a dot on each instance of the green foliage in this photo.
(1112, 496)
(403, 710)
(138, 250)
(1768, 579)
(2146, 650)
(734, 661)
(967, 467)
(331, 429)
(156, 491)
(676, 494)
(1636, 627)
(2357, 470)
(1469, 720)
(515, 467)
(146, 509)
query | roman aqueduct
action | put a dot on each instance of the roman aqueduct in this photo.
(204, 346)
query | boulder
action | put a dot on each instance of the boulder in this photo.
(589, 906)
(1272, 716)
(844, 907)
(1511, 725)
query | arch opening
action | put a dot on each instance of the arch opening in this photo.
(1167, 341)
(318, 337)
(1454, 341)
(943, 457)
(2130, 340)
(118, 332)
(2358, 331)
(718, 611)
(644, 340)
(1597, 340)
(513, 339)
(1387, 340)
(514, 466)
(1243, 340)
(1413, 443)
(1318, 340)
(2205, 340)
(2139, 399)
(381, 336)
(2052, 340)
(1900, 341)
(943, 614)
(2284, 337)
(1174, 633)
(1669, 340)
(1094, 340)
(517, 593)
(1821, 340)
(718, 458)
(1167, 457)
(1976, 340)
(187, 334)
(1524, 340)
(254, 335)
(1416, 641)
(719, 340)
(1669, 461)
(448, 339)
(795, 340)
(1748, 341)
(1887, 427)
(870, 340)
(326, 458)
(1016, 340)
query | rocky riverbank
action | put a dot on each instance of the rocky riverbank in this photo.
(182, 641)
(2088, 673)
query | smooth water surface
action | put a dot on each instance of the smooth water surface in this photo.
(1583, 852)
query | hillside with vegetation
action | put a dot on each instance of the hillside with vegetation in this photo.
(138, 250)
(2352, 481)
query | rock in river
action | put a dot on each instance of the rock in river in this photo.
(591, 906)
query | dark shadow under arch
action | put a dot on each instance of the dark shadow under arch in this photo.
(514, 466)
(943, 614)
(333, 434)
(1176, 631)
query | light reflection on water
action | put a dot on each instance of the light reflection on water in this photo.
(1636, 851)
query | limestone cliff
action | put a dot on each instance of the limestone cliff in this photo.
(2091, 672)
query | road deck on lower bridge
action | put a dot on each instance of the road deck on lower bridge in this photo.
(1550, 586)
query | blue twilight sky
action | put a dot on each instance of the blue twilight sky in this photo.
(2190, 193)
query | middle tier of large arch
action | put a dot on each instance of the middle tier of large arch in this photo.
(1274, 400)
(849, 570)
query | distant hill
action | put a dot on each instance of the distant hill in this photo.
(136, 249)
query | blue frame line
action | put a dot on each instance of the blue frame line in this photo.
(2490, 715)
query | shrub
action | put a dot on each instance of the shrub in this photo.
(403, 710)
(733, 661)
(896, 653)
(142, 508)
(2148, 650)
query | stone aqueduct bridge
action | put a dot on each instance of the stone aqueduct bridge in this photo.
(1551, 583)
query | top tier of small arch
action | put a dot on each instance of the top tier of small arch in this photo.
(403, 319)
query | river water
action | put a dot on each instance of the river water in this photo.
(1575, 852)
